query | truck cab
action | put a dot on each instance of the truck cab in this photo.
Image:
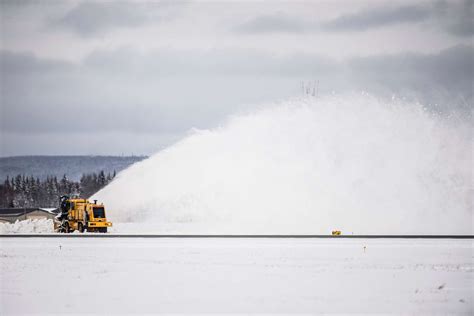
(96, 219)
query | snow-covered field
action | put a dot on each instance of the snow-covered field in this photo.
(138, 276)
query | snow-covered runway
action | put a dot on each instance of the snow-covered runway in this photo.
(76, 275)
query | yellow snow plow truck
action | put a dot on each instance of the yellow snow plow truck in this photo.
(80, 215)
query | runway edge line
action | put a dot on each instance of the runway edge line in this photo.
(234, 236)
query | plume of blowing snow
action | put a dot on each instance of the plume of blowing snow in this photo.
(307, 166)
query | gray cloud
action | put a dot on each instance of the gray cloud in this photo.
(94, 17)
(455, 18)
(91, 17)
(273, 23)
(127, 91)
(359, 21)
(167, 93)
(117, 83)
(375, 18)
(12, 63)
(205, 64)
(147, 93)
(442, 81)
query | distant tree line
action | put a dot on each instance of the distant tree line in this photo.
(27, 191)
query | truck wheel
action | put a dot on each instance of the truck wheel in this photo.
(66, 228)
(103, 229)
(80, 227)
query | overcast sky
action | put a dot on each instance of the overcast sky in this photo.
(102, 77)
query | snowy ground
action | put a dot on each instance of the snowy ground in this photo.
(40, 275)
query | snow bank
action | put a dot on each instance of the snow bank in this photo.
(29, 226)
(308, 165)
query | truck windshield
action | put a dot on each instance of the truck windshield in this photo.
(99, 212)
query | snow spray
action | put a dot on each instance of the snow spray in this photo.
(308, 166)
